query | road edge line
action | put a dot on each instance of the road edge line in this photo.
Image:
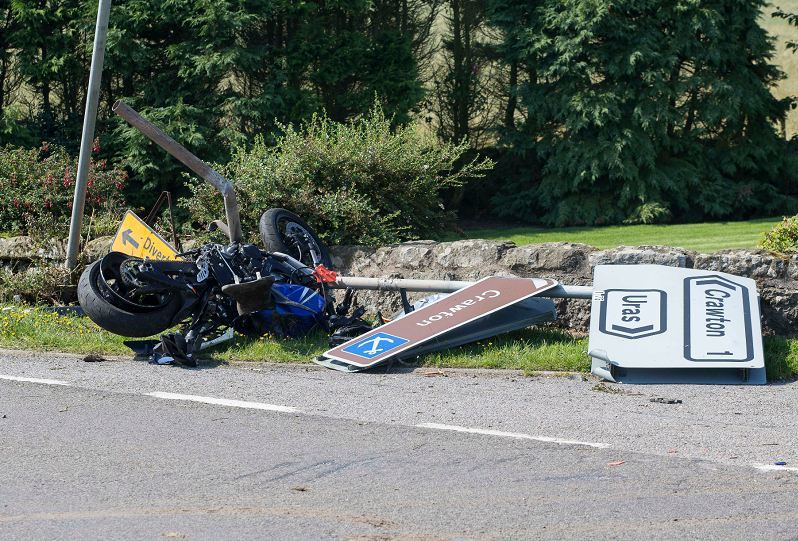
(35, 380)
(515, 435)
(223, 402)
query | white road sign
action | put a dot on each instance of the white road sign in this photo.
(656, 317)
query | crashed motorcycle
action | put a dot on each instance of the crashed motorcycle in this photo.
(285, 289)
(214, 289)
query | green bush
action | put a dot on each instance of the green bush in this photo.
(37, 187)
(362, 182)
(44, 284)
(783, 238)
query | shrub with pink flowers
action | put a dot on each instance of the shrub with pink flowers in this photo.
(37, 188)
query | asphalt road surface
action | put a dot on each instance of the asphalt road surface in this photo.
(125, 450)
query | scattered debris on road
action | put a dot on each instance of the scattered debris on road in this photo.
(603, 387)
(660, 400)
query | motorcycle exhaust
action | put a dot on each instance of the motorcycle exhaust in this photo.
(189, 160)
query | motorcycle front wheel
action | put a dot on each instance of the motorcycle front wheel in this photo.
(283, 231)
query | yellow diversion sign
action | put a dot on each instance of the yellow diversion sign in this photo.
(137, 239)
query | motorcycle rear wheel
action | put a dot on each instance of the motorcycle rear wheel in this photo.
(117, 320)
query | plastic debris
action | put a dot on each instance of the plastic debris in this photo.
(616, 463)
(780, 463)
(161, 359)
(324, 275)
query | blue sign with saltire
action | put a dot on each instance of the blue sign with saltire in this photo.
(375, 344)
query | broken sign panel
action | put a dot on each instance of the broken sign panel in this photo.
(407, 335)
(652, 323)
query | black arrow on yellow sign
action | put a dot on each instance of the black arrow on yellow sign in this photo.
(127, 237)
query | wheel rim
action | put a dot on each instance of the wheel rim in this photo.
(118, 287)
(298, 239)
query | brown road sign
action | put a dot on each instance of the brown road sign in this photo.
(461, 307)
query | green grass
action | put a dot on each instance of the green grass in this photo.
(702, 237)
(781, 357)
(37, 329)
(530, 350)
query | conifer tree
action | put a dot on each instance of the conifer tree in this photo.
(640, 109)
(46, 39)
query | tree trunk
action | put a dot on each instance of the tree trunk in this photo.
(3, 75)
(672, 83)
(5, 61)
(460, 75)
(512, 99)
(44, 89)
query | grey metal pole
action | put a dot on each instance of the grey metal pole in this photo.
(445, 286)
(189, 160)
(87, 137)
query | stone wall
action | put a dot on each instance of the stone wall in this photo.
(473, 259)
(18, 253)
(568, 263)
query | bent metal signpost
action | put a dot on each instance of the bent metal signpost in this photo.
(659, 323)
(445, 315)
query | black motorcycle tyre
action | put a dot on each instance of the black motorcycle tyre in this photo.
(116, 320)
(274, 240)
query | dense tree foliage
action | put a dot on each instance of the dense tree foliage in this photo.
(642, 108)
(460, 102)
(213, 73)
(42, 49)
(601, 111)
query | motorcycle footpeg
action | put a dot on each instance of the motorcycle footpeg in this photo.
(251, 296)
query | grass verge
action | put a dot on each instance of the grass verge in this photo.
(530, 350)
(704, 237)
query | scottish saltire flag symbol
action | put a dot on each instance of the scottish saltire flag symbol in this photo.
(374, 345)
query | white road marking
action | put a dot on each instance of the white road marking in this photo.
(516, 435)
(35, 380)
(774, 467)
(224, 402)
